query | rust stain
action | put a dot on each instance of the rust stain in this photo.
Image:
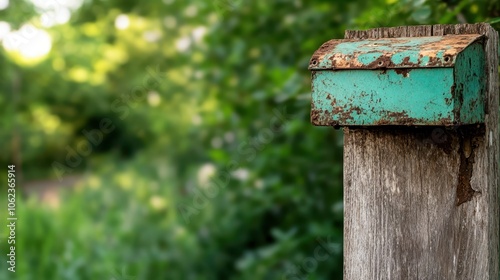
(405, 72)
(473, 105)
(321, 118)
(326, 118)
(357, 110)
(407, 62)
(344, 114)
(399, 118)
(381, 62)
(457, 93)
(448, 100)
(315, 114)
(449, 46)
(322, 51)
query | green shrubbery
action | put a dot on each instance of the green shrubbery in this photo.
(123, 223)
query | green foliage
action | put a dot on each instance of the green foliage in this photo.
(212, 169)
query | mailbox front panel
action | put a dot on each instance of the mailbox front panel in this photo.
(383, 97)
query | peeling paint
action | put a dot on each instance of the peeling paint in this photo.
(434, 51)
(410, 81)
(405, 72)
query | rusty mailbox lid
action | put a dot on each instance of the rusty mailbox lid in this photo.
(437, 80)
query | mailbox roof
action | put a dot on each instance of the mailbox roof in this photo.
(404, 52)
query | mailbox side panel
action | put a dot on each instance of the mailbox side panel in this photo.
(470, 73)
(383, 97)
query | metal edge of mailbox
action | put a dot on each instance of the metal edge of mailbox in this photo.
(403, 52)
(462, 111)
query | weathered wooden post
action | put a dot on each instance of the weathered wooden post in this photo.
(419, 107)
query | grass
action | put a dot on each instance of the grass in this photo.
(121, 222)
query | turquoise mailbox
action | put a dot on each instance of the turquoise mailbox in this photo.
(437, 80)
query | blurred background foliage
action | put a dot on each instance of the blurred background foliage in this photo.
(193, 90)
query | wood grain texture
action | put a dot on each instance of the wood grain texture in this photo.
(403, 219)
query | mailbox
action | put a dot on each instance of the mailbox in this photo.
(437, 80)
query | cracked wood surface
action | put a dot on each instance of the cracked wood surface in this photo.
(410, 212)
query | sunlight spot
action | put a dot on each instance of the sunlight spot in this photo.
(213, 18)
(57, 4)
(191, 11)
(102, 66)
(241, 174)
(152, 36)
(4, 4)
(196, 120)
(157, 202)
(179, 231)
(79, 74)
(4, 29)
(63, 15)
(170, 22)
(94, 182)
(199, 33)
(198, 74)
(205, 172)
(154, 98)
(289, 19)
(30, 42)
(183, 44)
(90, 29)
(45, 120)
(96, 79)
(115, 54)
(122, 22)
(72, 4)
(124, 180)
(13, 40)
(47, 19)
(51, 123)
(56, 16)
